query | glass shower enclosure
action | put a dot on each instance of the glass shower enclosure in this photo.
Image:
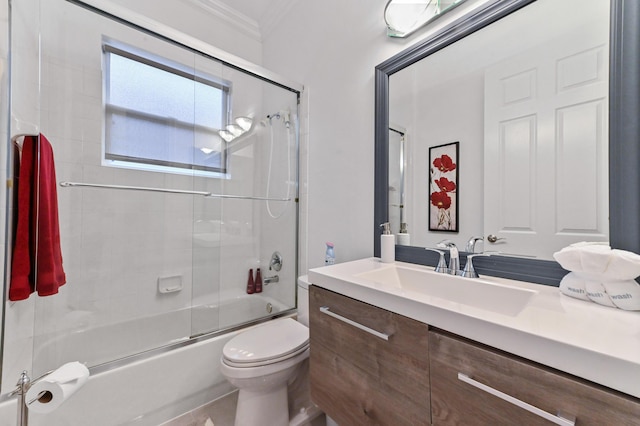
(176, 175)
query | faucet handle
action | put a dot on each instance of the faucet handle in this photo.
(442, 263)
(469, 271)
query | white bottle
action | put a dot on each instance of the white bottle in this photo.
(404, 239)
(387, 244)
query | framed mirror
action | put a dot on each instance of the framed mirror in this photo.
(619, 113)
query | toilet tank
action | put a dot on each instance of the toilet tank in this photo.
(303, 299)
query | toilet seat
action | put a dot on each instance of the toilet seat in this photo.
(272, 342)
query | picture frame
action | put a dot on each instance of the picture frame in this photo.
(443, 187)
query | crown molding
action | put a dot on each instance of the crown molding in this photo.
(238, 20)
(274, 14)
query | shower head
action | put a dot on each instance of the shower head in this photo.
(285, 115)
(287, 118)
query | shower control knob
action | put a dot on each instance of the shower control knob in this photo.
(276, 261)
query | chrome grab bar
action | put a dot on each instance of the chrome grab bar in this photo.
(383, 336)
(169, 191)
(559, 420)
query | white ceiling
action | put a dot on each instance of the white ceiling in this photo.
(255, 17)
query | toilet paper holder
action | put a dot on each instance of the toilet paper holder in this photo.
(23, 385)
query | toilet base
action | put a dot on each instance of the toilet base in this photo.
(263, 408)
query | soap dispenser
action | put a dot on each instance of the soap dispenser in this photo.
(387, 244)
(404, 239)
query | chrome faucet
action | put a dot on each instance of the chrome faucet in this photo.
(454, 258)
(441, 267)
(469, 271)
(471, 244)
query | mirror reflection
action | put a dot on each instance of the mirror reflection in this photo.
(531, 118)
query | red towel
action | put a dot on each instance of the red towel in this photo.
(37, 258)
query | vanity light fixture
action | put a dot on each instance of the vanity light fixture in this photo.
(240, 126)
(403, 17)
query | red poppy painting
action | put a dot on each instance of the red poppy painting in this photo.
(443, 187)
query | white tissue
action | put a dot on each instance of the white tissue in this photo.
(573, 285)
(606, 275)
(597, 293)
(624, 265)
(52, 390)
(624, 294)
(569, 259)
(595, 258)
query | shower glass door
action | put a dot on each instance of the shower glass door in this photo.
(161, 218)
(256, 213)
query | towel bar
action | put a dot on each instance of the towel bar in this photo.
(167, 190)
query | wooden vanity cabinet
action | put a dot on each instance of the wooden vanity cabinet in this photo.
(359, 378)
(456, 402)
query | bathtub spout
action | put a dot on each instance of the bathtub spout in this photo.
(269, 280)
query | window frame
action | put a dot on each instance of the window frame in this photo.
(110, 47)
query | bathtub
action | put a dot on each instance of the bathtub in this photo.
(149, 388)
(94, 346)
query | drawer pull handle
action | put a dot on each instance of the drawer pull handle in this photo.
(325, 310)
(515, 401)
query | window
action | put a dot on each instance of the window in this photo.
(159, 115)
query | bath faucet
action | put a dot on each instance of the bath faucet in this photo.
(270, 280)
(471, 244)
(454, 258)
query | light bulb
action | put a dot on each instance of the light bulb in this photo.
(235, 130)
(244, 122)
(226, 135)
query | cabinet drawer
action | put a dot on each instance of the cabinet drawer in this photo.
(359, 378)
(456, 402)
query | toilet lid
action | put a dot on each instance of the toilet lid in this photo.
(272, 340)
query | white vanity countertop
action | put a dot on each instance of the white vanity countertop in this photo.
(597, 343)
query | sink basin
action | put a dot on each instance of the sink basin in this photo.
(473, 292)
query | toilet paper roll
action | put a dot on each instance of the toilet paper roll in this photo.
(52, 390)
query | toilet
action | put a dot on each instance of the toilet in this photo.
(262, 361)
